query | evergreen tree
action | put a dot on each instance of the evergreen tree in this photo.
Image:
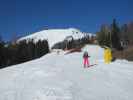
(104, 36)
(124, 32)
(1, 51)
(115, 31)
(130, 32)
(22, 54)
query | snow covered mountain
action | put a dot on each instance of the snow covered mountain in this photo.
(56, 35)
(62, 77)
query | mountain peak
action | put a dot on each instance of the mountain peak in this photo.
(55, 35)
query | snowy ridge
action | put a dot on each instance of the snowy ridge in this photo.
(62, 77)
(55, 35)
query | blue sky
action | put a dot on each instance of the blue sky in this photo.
(22, 17)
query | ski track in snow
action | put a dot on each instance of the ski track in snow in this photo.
(62, 77)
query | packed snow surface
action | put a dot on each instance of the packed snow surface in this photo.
(62, 77)
(55, 35)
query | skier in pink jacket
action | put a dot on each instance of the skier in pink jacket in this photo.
(85, 58)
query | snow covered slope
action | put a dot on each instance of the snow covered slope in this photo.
(55, 35)
(62, 77)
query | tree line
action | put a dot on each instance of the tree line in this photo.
(115, 36)
(15, 53)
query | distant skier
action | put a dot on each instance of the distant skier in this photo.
(85, 59)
